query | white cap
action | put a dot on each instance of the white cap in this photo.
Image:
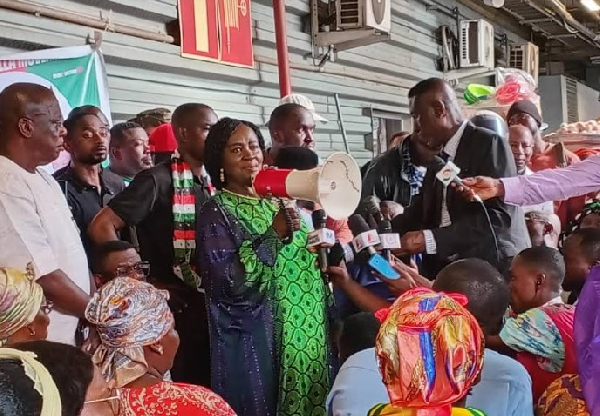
(304, 102)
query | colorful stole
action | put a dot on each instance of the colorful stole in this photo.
(389, 410)
(184, 221)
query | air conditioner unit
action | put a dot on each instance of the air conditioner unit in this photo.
(363, 14)
(527, 58)
(476, 44)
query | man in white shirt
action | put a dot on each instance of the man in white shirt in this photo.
(36, 224)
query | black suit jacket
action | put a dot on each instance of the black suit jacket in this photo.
(480, 152)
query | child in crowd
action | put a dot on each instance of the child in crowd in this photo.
(541, 331)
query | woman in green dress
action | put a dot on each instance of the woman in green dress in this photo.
(267, 303)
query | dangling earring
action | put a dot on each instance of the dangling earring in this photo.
(222, 175)
(158, 349)
(31, 331)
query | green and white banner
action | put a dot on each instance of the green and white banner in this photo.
(76, 74)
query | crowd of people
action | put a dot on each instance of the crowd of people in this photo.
(161, 283)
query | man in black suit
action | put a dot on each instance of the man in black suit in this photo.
(439, 223)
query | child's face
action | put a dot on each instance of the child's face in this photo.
(524, 287)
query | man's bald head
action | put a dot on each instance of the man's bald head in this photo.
(436, 112)
(31, 130)
(22, 99)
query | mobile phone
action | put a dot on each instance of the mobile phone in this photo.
(378, 263)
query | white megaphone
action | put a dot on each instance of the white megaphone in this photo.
(336, 185)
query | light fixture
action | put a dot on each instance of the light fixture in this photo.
(591, 5)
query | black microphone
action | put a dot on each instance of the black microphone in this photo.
(389, 239)
(319, 219)
(373, 210)
(447, 172)
(365, 239)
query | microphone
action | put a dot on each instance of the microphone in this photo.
(372, 210)
(321, 235)
(366, 239)
(389, 239)
(340, 251)
(447, 172)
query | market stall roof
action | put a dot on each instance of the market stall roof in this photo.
(571, 32)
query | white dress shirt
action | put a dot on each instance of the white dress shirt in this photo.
(36, 226)
(450, 149)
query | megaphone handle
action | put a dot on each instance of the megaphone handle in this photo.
(288, 222)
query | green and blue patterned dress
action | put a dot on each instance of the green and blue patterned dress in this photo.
(267, 307)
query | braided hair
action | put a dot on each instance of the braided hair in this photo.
(215, 144)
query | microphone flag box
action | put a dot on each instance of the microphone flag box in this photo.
(321, 236)
(389, 241)
(448, 173)
(367, 239)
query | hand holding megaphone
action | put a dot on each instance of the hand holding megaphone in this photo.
(286, 221)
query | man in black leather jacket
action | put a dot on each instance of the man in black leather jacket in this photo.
(397, 174)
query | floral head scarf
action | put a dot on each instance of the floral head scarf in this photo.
(20, 300)
(128, 315)
(430, 350)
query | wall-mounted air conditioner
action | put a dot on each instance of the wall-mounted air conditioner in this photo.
(476, 40)
(527, 58)
(364, 14)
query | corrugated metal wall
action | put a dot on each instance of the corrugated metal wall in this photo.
(144, 74)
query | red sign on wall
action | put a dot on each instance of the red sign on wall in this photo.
(218, 30)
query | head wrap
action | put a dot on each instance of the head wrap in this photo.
(20, 300)
(585, 152)
(525, 107)
(128, 315)
(586, 329)
(430, 350)
(591, 206)
(43, 382)
(162, 140)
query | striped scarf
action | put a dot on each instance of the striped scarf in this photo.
(184, 221)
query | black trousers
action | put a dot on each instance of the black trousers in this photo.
(192, 362)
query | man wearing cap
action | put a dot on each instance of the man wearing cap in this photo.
(545, 155)
(152, 118)
(292, 125)
(162, 143)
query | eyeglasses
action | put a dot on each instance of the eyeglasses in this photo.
(46, 307)
(114, 400)
(141, 268)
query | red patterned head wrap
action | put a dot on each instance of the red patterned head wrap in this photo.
(430, 350)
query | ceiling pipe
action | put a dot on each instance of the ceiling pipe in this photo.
(283, 59)
(568, 20)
